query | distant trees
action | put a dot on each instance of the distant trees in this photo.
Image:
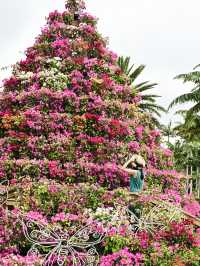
(187, 148)
(194, 95)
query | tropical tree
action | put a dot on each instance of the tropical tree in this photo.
(194, 95)
(186, 151)
(168, 131)
(186, 154)
(186, 147)
(148, 101)
(189, 129)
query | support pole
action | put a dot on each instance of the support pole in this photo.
(187, 180)
(198, 184)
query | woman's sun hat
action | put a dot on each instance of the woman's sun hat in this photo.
(138, 160)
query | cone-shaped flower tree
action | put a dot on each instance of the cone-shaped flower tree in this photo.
(68, 113)
(68, 117)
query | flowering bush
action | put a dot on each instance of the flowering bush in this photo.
(123, 257)
(192, 206)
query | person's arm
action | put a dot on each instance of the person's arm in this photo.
(128, 170)
(127, 163)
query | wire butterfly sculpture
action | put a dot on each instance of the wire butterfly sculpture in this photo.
(80, 246)
(154, 219)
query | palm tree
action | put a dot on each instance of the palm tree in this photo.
(148, 101)
(194, 95)
(186, 153)
(189, 129)
(168, 131)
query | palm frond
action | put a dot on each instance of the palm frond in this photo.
(184, 98)
(195, 108)
(150, 110)
(196, 88)
(196, 66)
(143, 88)
(156, 122)
(148, 101)
(181, 112)
(134, 75)
(124, 64)
(150, 97)
(152, 105)
(190, 77)
(141, 84)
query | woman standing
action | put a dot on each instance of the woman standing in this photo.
(134, 167)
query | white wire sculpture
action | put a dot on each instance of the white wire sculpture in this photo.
(80, 247)
(143, 223)
(157, 218)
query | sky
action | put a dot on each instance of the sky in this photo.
(163, 35)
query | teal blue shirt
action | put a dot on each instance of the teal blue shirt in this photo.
(137, 182)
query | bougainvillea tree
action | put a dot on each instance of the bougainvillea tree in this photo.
(68, 113)
(68, 119)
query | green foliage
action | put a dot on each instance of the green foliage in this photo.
(115, 243)
(186, 150)
(194, 95)
(186, 153)
(48, 201)
(168, 131)
(189, 130)
(94, 197)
